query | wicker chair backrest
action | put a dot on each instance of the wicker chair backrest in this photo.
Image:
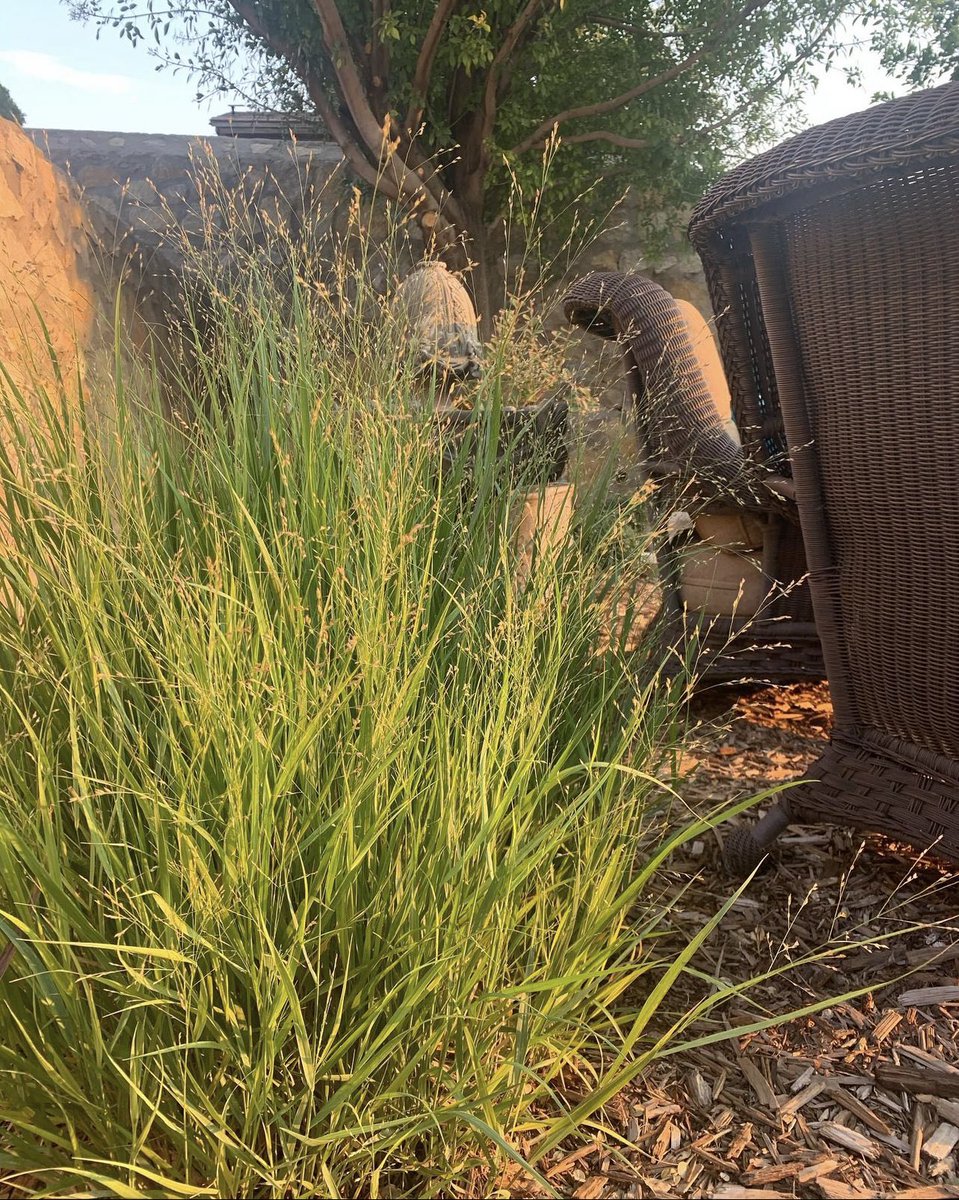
(839, 255)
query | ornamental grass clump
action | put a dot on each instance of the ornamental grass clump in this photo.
(325, 841)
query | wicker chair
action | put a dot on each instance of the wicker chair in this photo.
(734, 591)
(837, 258)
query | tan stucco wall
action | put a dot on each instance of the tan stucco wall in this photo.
(44, 264)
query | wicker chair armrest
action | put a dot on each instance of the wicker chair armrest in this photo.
(680, 431)
(781, 487)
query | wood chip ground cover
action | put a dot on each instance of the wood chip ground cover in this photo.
(861, 1099)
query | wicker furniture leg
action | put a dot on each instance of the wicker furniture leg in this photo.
(747, 845)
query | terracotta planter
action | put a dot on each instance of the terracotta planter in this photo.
(542, 521)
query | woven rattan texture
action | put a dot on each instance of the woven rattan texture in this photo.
(881, 378)
(870, 787)
(745, 350)
(675, 415)
(837, 156)
(852, 233)
(763, 651)
(843, 152)
(677, 422)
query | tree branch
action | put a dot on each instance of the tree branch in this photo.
(602, 135)
(369, 171)
(616, 139)
(623, 26)
(771, 85)
(348, 77)
(379, 51)
(82, 13)
(420, 184)
(424, 63)
(606, 135)
(293, 54)
(677, 69)
(639, 30)
(513, 35)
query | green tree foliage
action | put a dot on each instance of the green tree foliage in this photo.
(439, 102)
(9, 107)
(919, 41)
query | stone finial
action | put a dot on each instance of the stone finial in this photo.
(442, 321)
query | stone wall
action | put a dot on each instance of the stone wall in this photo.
(141, 192)
(146, 197)
(136, 182)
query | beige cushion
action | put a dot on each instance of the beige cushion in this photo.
(730, 530)
(720, 583)
(727, 531)
(541, 522)
(710, 363)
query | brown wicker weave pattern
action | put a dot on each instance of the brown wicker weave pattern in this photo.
(881, 380)
(676, 417)
(677, 423)
(868, 786)
(849, 236)
(838, 155)
(745, 350)
(916, 128)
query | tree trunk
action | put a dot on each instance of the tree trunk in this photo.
(481, 278)
(468, 185)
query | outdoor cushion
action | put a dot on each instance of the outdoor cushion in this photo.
(733, 530)
(706, 354)
(722, 583)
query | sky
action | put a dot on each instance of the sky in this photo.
(63, 77)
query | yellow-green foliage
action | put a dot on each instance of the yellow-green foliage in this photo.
(318, 833)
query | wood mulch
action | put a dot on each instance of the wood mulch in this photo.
(860, 1099)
